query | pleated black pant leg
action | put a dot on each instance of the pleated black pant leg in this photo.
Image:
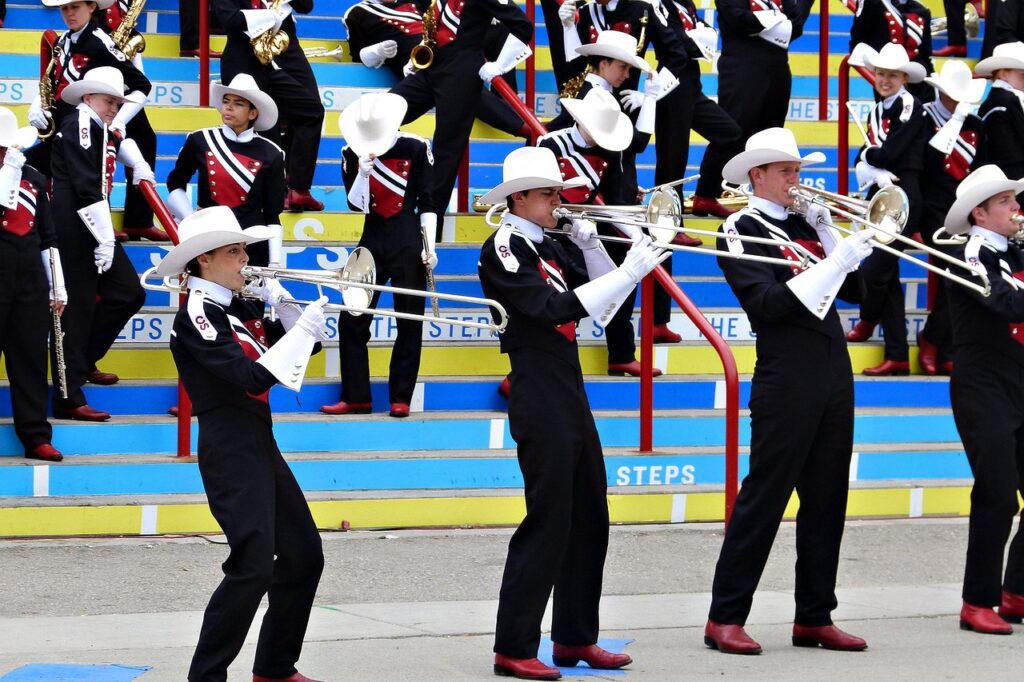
(120, 296)
(353, 337)
(407, 272)
(294, 89)
(724, 137)
(754, 92)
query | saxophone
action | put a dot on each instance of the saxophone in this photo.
(46, 98)
(270, 44)
(127, 39)
(422, 55)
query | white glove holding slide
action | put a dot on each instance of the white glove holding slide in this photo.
(583, 234)
(641, 258)
(851, 251)
(313, 321)
(288, 358)
(816, 287)
(603, 296)
(820, 218)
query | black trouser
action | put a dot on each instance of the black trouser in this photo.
(956, 31)
(275, 547)
(496, 112)
(807, 449)
(99, 305)
(24, 326)
(987, 394)
(137, 212)
(754, 88)
(188, 24)
(938, 328)
(454, 90)
(402, 265)
(619, 333)
(563, 540)
(556, 43)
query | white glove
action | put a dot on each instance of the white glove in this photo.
(312, 320)
(428, 229)
(851, 251)
(489, 71)
(779, 34)
(365, 166)
(117, 129)
(376, 54)
(962, 111)
(54, 276)
(408, 69)
(567, 13)
(133, 104)
(179, 204)
(583, 234)
(641, 258)
(14, 158)
(267, 289)
(652, 88)
(141, 171)
(512, 52)
(818, 216)
(631, 100)
(885, 179)
(38, 117)
(706, 40)
(103, 255)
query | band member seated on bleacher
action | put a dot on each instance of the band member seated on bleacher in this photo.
(287, 78)
(1003, 109)
(957, 146)
(384, 33)
(387, 177)
(898, 131)
(237, 167)
(987, 394)
(220, 347)
(27, 283)
(563, 540)
(103, 287)
(86, 45)
(903, 22)
(592, 150)
(801, 361)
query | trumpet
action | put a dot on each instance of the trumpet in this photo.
(972, 23)
(318, 52)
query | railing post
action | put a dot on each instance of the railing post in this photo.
(204, 54)
(647, 364)
(823, 61)
(531, 61)
(462, 194)
(843, 121)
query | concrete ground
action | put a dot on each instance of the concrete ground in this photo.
(419, 605)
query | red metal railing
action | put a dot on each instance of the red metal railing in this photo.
(843, 140)
(204, 54)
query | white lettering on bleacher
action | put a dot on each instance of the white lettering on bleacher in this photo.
(806, 109)
(18, 91)
(656, 474)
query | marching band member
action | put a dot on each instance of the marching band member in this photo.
(387, 177)
(453, 84)
(907, 23)
(287, 78)
(957, 145)
(237, 167)
(754, 80)
(1003, 109)
(384, 33)
(103, 288)
(221, 351)
(592, 150)
(987, 394)
(27, 282)
(801, 360)
(86, 45)
(1004, 23)
(892, 154)
(563, 540)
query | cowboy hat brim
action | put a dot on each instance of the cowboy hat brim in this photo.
(74, 93)
(738, 167)
(614, 140)
(23, 138)
(265, 106)
(101, 4)
(364, 145)
(958, 220)
(915, 72)
(502, 191)
(972, 94)
(174, 262)
(612, 52)
(989, 65)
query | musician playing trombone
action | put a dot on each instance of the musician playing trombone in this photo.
(228, 357)
(562, 542)
(801, 400)
(987, 394)
(387, 177)
(27, 240)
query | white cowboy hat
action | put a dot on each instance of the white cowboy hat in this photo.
(987, 181)
(615, 45)
(1005, 56)
(245, 87)
(11, 135)
(103, 80)
(955, 80)
(771, 145)
(205, 230)
(892, 56)
(529, 168)
(598, 113)
(369, 124)
(101, 4)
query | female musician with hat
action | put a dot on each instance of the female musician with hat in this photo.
(906, 23)
(221, 352)
(562, 542)
(103, 287)
(28, 280)
(1003, 109)
(387, 177)
(801, 361)
(238, 168)
(958, 145)
(892, 154)
(987, 394)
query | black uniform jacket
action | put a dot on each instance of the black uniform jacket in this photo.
(994, 322)
(29, 224)
(739, 27)
(534, 282)
(898, 134)
(238, 47)
(761, 287)
(84, 159)
(908, 23)
(942, 173)
(462, 30)
(369, 23)
(399, 187)
(1003, 114)
(244, 173)
(89, 48)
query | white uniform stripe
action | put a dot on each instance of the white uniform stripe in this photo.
(916, 502)
(147, 526)
(394, 177)
(228, 166)
(41, 480)
(497, 436)
(679, 508)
